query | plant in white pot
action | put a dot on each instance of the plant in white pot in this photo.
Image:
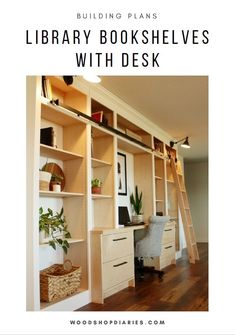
(136, 202)
(53, 229)
(55, 183)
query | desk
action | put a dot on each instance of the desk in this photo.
(112, 261)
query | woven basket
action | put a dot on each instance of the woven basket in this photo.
(58, 283)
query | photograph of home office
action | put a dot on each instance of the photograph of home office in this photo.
(117, 193)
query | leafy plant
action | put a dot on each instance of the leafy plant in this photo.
(136, 201)
(52, 224)
(96, 182)
(56, 178)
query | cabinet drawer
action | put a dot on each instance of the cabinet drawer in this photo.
(168, 234)
(167, 255)
(117, 271)
(117, 245)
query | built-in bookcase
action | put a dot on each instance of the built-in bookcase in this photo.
(85, 150)
(69, 153)
(68, 95)
(105, 114)
(132, 130)
(160, 186)
(102, 163)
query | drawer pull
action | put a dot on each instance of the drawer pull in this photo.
(168, 229)
(116, 265)
(170, 246)
(119, 239)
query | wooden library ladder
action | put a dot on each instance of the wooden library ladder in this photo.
(185, 214)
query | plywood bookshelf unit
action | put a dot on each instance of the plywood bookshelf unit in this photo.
(87, 150)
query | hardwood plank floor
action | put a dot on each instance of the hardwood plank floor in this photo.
(184, 288)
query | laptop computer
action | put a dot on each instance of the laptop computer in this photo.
(124, 217)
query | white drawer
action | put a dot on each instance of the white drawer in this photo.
(117, 245)
(168, 234)
(117, 271)
(167, 255)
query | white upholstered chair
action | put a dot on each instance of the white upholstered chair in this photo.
(150, 245)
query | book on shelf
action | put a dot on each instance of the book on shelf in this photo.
(48, 136)
(43, 87)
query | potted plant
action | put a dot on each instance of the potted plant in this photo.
(53, 229)
(136, 202)
(55, 183)
(96, 186)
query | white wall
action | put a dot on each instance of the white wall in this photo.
(196, 180)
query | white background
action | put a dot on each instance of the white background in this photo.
(215, 60)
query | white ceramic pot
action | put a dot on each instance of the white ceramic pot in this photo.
(44, 180)
(56, 187)
(137, 218)
(45, 176)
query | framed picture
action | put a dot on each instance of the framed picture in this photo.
(122, 177)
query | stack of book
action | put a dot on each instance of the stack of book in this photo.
(47, 136)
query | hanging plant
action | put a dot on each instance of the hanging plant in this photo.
(54, 226)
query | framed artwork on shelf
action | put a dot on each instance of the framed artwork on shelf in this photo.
(122, 177)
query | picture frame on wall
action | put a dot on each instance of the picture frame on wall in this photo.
(122, 176)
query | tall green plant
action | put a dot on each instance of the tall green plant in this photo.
(136, 201)
(52, 224)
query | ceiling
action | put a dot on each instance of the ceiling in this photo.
(177, 104)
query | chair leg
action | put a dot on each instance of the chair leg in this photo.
(139, 268)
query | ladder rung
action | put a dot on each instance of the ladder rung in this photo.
(185, 214)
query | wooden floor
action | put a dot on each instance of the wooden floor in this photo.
(184, 288)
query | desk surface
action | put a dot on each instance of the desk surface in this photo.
(107, 231)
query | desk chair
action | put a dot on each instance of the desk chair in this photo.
(150, 245)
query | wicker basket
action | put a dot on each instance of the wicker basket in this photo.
(59, 281)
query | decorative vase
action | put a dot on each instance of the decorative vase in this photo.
(96, 190)
(44, 180)
(137, 218)
(55, 186)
